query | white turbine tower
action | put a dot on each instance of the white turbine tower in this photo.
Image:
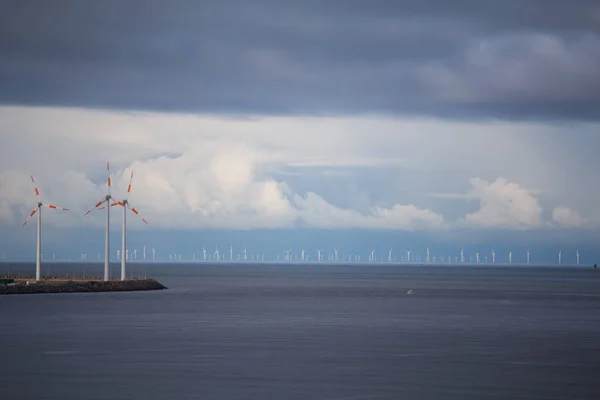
(510, 257)
(528, 256)
(577, 257)
(302, 256)
(287, 255)
(231, 253)
(106, 200)
(477, 257)
(390, 255)
(462, 255)
(125, 204)
(373, 255)
(245, 254)
(318, 255)
(493, 257)
(204, 253)
(560, 257)
(38, 210)
(427, 255)
(408, 255)
(335, 257)
(153, 254)
(217, 254)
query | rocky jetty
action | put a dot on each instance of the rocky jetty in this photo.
(25, 287)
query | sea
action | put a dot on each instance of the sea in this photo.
(308, 331)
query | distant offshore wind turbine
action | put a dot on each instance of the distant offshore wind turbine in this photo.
(559, 257)
(38, 209)
(577, 257)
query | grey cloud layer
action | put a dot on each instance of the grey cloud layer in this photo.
(506, 59)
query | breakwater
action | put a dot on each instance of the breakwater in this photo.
(78, 286)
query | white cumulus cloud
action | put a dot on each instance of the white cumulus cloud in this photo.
(503, 204)
(567, 217)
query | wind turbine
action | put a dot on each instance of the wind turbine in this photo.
(408, 255)
(477, 257)
(510, 257)
(528, 256)
(153, 254)
(335, 254)
(217, 254)
(204, 253)
(390, 255)
(318, 255)
(373, 255)
(287, 255)
(106, 200)
(427, 255)
(125, 204)
(577, 257)
(493, 257)
(559, 257)
(245, 254)
(231, 253)
(462, 255)
(38, 209)
(302, 256)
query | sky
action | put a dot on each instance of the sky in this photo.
(289, 125)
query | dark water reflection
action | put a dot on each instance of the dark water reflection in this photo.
(310, 332)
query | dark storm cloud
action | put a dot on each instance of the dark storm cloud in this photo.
(534, 59)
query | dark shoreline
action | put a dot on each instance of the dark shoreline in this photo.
(80, 286)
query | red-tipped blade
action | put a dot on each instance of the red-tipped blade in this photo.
(31, 214)
(136, 212)
(55, 207)
(37, 192)
(98, 204)
(108, 181)
(130, 180)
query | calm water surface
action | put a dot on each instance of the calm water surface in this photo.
(310, 332)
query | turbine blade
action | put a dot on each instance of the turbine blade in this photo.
(108, 181)
(136, 212)
(98, 204)
(56, 207)
(37, 192)
(118, 203)
(130, 180)
(31, 214)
